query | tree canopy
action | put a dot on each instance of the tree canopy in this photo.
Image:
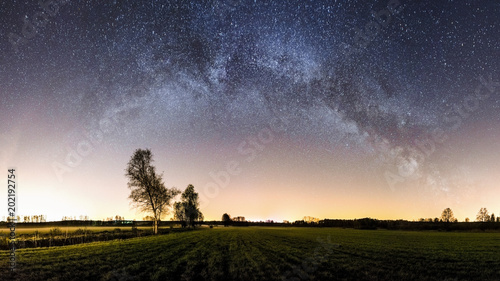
(447, 215)
(226, 219)
(483, 215)
(148, 191)
(187, 211)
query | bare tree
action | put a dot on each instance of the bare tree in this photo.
(447, 215)
(148, 192)
(483, 215)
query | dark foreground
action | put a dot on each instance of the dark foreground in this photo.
(264, 253)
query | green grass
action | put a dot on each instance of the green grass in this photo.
(263, 253)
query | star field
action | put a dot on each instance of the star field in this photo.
(384, 99)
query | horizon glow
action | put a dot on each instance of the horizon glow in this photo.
(273, 111)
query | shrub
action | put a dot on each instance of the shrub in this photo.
(4, 243)
(55, 232)
(80, 231)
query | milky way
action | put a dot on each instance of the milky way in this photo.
(388, 80)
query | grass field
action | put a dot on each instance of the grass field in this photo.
(264, 253)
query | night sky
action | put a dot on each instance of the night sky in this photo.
(271, 109)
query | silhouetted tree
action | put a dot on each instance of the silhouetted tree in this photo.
(447, 215)
(482, 215)
(492, 217)
(179, 213)
(187, 210)
(226, 219)
(148, 192)
(467, 220)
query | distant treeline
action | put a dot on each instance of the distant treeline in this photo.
(364, 223)
(369, 223)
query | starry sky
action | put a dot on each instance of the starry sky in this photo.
(271, 109)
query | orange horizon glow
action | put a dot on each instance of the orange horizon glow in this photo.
(260, 192)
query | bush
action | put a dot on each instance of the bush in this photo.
(55, 232)
(135, 230)
(81, 231)
(4, 243)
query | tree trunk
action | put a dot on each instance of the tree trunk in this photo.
(155, 226)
